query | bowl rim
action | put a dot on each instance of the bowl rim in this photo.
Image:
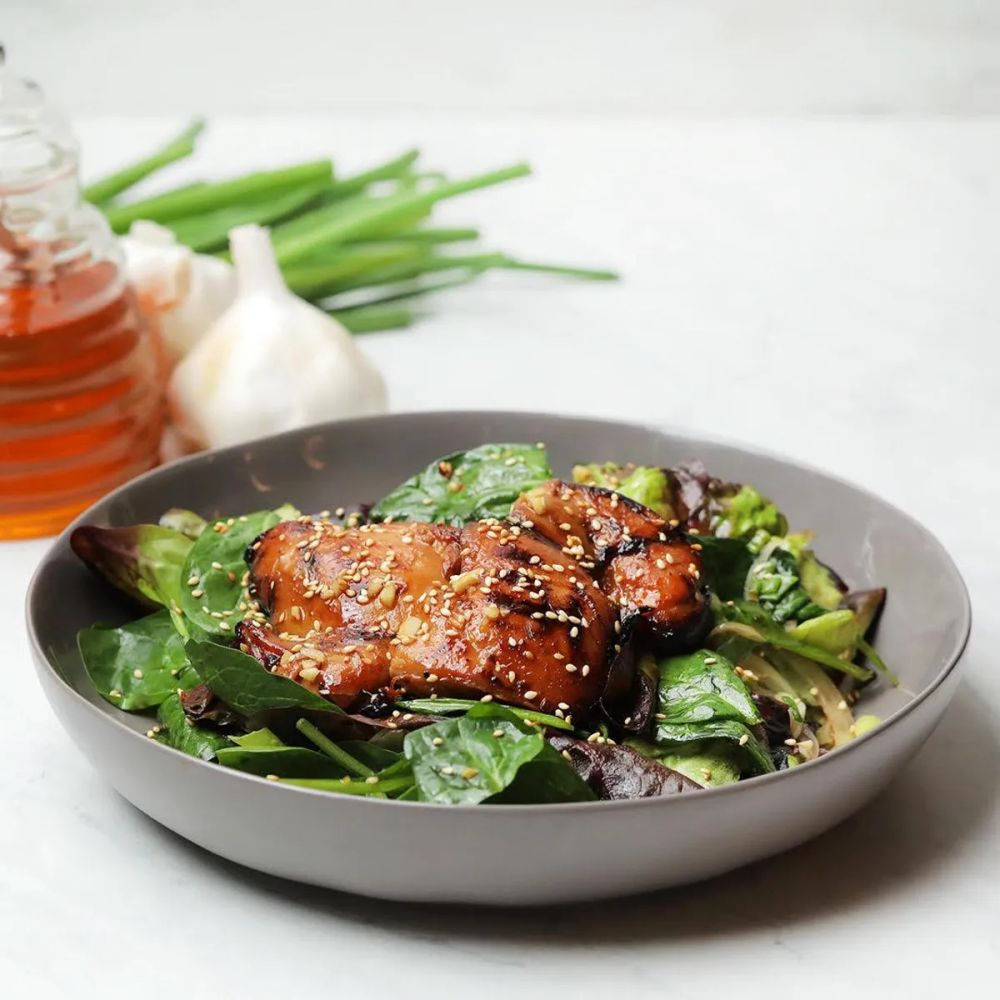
(44, 664)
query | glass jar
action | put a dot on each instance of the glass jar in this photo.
(81, 373)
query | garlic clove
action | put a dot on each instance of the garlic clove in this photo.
(184, 292)
(270, 363)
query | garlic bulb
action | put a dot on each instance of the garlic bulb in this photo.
(185, 292)
(270, 363)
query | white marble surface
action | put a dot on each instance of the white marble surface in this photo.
(823, 288)
(529, 57)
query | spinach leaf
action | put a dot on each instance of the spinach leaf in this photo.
(214, 574)
(284, 761)
(702, 697)
(138, 665)
(468, 759)
(246, 686)
(709, 763)
(143, 560)
(547, 778)
(468, 485)
(674, 734)
(457, 706)
(702, 686)
(179, 732)
(725, 563)
(257, 739)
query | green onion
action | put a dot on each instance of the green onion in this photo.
(335, 753)
(430, 234)
(379, 789)
(371, 212)
(585, 273)
(873, 657)
(427, 264)
(374, 318)
(209, 231)
(102, 191)
(402, 292)
(317, 280)
(208, 197)
(398, 167)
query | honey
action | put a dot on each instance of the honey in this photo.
(80, 396)
(81, 373)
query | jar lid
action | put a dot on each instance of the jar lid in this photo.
(36, 145)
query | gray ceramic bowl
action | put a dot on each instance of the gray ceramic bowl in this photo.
(503, 854)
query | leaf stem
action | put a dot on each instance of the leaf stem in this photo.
(335, 753)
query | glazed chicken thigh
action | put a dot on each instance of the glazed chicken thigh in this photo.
(527, 610)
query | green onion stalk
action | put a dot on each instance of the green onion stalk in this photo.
(362, 246)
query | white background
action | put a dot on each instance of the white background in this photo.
(804, 202)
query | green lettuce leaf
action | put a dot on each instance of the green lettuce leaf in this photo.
(468, 485)
(138, 665)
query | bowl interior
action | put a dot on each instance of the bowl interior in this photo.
(869, 542)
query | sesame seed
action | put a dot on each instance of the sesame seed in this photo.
(814, 691)
(744, 739)
(790, 742)
(197, 593)
(710, 660)
(437, 741)
(469, 773)
(498, 733)
(570, 668)
(372, 779)
(585, 669)
(273, 777)
(137, 674)
(487, 698)
(841, 704)
(448, 770)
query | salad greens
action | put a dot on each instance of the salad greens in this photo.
(246, 686)
(642, 483)
(176, 730)
(215, 570)
(770, 686)
(467, 486)
(138, 665)
(701, 697)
